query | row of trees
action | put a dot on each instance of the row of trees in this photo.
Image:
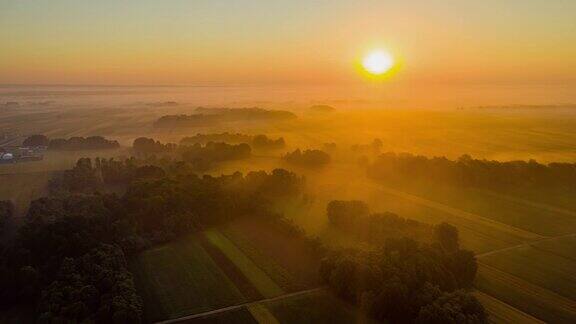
(202, 157)
(148, 146)
(230, 138)
(211, 116)
(354, 217)
(69, 258)
(466, 171)
(307, 158)
(258, 141)
(72, 143)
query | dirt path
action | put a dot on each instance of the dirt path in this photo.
(235, 307)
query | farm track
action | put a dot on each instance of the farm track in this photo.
(236, 307)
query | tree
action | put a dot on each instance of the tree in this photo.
(6, 212)
(36, 140)
(447, 236)
(345, 213)
(456, 307)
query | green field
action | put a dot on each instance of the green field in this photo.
(538, 267)
(257, 277)
(529, 298)
(317, 307)
(536, 218)
(210, 270)
(180, 278)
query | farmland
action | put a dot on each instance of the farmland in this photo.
(523, 239)
(208, 270)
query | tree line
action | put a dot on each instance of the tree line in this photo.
(71, 144)
(307, 158)
(467, 171)
(68, 260)
(211, 116)
(354, 217)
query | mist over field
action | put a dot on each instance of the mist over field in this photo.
(266, 162)
(412, 167)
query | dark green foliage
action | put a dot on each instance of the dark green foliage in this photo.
(307, 158)
(147, 146)
(65, 256)
(344, 213)
(466, 171)
(211, 116)
(82, 178)
(6, 212)
(353, 217)
(403, 282)
(229, 138)
(170, 121)
(236, 114)
(456, 307)
(447, 236)
(266, 143)
(202, 157)
(36, 140)
(82, 143)
(93, 287)
(167, 207)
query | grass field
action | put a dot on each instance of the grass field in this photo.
(180, 278)
(210, 270)
(502, 313)
(284, 257)
(538, 218)
(538, 267)
(318, 307)
(257, 277)
(532, 299)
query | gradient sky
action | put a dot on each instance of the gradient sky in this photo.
(284, 41)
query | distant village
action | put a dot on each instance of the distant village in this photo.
(11, 153)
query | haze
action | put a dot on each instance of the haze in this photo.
(289, 162)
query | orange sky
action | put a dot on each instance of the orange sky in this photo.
(301, 42)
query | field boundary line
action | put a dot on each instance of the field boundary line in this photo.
(239, 306)
(482, 295)
(464, 214)
(534, 289)
(526, 244)
(529, 203)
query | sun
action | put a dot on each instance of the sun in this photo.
(378, 62)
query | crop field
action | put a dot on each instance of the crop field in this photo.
(216, 269)
(529, 298)
(537, 267)
(538, 218)
(535, 278)
(181, 278)
(317, 307)
(502, 313)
